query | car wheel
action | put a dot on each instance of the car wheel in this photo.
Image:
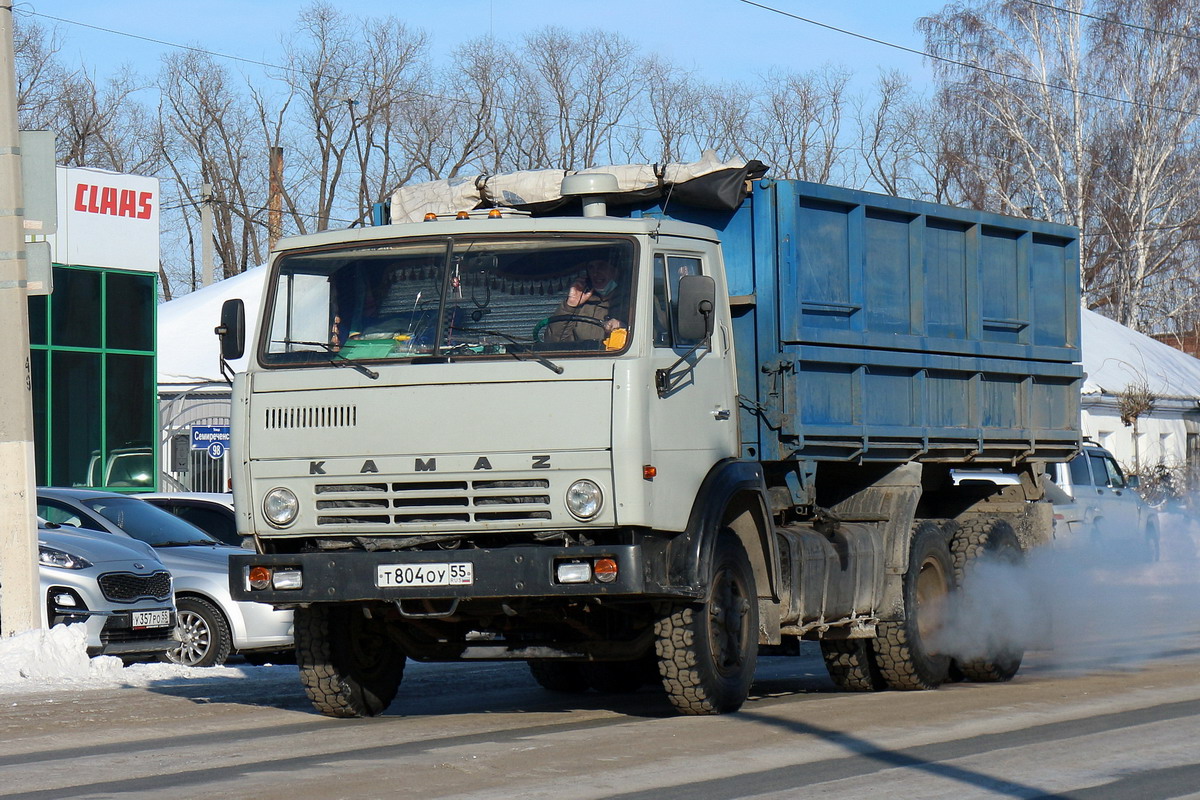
(204, 634)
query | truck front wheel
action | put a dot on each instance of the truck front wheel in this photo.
(349, 665)
(707, 651)
(903, 650)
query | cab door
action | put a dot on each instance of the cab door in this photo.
(693, 419)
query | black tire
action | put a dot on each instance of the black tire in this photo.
(852, 666)
(707, 651)
(559, 676)
(987, 539)
(349, 665)
(204, 634)
(906, 660)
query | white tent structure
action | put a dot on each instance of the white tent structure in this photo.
(1118, 360)
(191, 389)
(188, 352)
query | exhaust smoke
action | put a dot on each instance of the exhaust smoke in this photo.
(1081, 607)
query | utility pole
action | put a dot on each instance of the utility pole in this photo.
(206, 235)
(18, 531)
(275, 198)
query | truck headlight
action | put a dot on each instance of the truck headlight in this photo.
(280, 507)
(584, 499)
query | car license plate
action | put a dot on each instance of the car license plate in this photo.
(408, 575)
(151, 619)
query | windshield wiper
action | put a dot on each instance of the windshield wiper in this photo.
(336, 358)
(521, 355)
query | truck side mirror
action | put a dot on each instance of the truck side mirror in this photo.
(232, 329)
(697, 301)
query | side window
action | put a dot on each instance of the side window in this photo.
(1098, 469)
(1079, 471)
(1115, 478)
(668, 269)
(62, 515)
(662, 325)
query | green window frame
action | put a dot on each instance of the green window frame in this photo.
(95, 406)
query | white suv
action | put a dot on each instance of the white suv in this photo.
(1105, 510)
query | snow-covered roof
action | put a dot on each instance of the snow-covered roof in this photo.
(1115, 357)
(188, 350)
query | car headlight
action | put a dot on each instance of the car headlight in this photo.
(280, 507)
(61, 558)
(584, 499)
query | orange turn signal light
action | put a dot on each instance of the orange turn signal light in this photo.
(605, 570)
(649, 471)
(259, 577)
(494, 214)
(430, 217)
(463, 215)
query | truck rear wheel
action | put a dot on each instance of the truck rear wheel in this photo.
(902, 649)
(992, 539)
(707, 651)
(348, 664)
(851, 665)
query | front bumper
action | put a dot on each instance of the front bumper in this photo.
(508, 572)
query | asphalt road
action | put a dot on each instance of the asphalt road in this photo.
(1114, 717)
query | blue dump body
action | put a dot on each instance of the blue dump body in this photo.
(872, 328)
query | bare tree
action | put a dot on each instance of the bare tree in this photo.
(1084, 117)
(209, 136)
(589, 85)
(798, 123)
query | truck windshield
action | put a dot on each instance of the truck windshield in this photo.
(459, 297)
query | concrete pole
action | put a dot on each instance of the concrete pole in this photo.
(19, 602)
(275, 198)
(206, 235)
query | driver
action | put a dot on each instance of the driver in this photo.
(593, 308)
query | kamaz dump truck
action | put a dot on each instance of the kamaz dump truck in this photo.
(630, 442)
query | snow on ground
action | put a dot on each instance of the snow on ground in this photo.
(41, 660)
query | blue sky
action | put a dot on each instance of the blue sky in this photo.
(719, 39)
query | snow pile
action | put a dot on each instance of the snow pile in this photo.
(58, 655)
(57, 660)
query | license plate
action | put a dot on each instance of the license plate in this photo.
(151, 619)
(408, 575)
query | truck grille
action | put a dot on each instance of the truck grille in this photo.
(126, 587)
(432, 502)
(311, 417)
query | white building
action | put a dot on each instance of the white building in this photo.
(1115, 359)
